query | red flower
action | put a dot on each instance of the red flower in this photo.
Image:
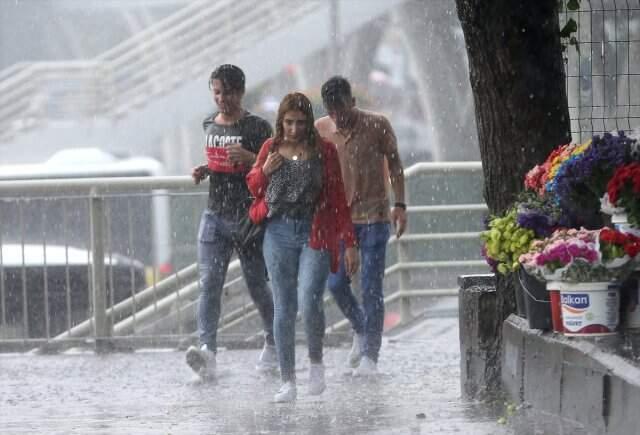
(625, 174)
(607, 235)
(632, 249)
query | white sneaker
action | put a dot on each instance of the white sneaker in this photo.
(202, 361)
(367, 367)
(268, 359)
(316, 379)
(286, 393)
(355, 354)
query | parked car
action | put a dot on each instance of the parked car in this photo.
(38, 283)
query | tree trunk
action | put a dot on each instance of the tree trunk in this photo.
(517, 78)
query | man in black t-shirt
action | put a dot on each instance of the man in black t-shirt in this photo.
(233, 138)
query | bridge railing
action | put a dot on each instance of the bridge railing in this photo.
(97, 287)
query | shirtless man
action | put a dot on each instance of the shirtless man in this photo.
(367, 148)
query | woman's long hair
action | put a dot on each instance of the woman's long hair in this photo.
(291, 102)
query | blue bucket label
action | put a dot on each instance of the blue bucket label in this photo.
(577, 301)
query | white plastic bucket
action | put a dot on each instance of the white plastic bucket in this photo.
(619, 218)
(621, 224)
(589, 309)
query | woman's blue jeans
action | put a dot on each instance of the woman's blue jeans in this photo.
(217, 239)
(368, 319)
(297, 272)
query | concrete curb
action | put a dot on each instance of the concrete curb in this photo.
(579, 380)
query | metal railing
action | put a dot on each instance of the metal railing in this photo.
(151, 63)
(172, 300)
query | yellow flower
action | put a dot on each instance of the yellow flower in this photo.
(581, 148)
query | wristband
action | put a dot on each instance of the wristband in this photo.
(401, 205)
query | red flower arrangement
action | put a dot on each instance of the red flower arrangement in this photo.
(624, 191)
(615, 240)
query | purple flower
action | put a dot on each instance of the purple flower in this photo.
(582, 179)
(539, 223)
(493, 264)
(600, 160)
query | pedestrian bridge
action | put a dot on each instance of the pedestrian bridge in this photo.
(149, 391)
(74, 278)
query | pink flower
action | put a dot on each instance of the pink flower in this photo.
(560, 253)
(575, 250)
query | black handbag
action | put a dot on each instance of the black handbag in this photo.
(250, 234)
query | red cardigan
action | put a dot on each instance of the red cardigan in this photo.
(332, 218)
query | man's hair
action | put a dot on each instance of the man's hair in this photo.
(336, 91)
(231, 76)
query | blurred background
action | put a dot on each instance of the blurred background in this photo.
(91, 89)
(129, 77)
(119, 88)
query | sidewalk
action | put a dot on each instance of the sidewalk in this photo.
(150, 392)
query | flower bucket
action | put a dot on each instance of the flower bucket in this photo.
(556, 309)
(590, 308)
(536, 301)
(519, 293)
(630, 300)
(621, 224)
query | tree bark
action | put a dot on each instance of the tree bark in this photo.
(517, 79)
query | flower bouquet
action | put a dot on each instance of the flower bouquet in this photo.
(581, 180)
(623, 193)
(539, 214)
(505, 241)
(582, 256)
(539, 178)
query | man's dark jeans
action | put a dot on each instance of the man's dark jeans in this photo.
(217, 239)
(368, 319)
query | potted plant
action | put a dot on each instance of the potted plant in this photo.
(504, 242)
(582, 179)
(622, 198)
(583, 267)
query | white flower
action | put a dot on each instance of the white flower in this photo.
(608, 208)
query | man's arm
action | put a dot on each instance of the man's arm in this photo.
(199, 173)
(323, 125)
(396, 175)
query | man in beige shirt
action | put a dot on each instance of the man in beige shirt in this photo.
(369, 159)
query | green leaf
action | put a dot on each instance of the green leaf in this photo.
(569, 28)
(573, 5)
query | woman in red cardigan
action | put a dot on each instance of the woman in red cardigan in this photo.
(297, 183)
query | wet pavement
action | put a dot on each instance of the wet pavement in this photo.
(152, 392)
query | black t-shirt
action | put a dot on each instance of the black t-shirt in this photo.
(228, 193)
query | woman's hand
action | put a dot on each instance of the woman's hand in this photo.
(351, 261)
(273, 162)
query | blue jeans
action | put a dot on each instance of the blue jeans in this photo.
(297, 272)
(368, 319)
(217, 239)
